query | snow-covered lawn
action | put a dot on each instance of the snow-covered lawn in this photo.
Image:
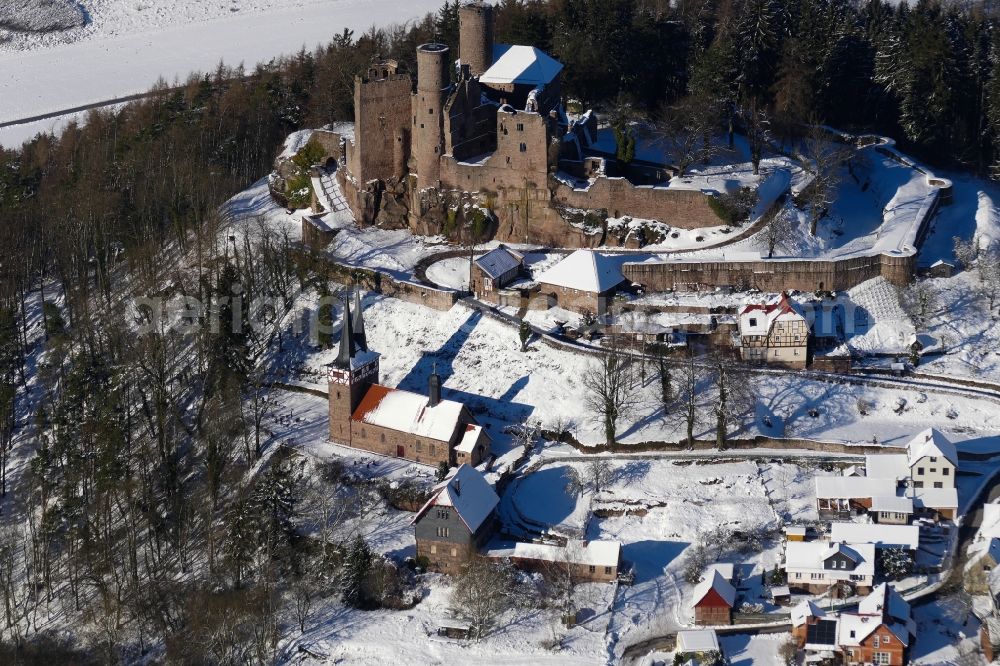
(452, 273)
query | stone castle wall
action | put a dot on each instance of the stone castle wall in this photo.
(772, 275)
(685, 209)
(382, 121)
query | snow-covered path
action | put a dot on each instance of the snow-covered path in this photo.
(67, 76)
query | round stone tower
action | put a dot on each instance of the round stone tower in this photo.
(475, 35)
(428, 103)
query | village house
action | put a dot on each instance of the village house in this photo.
(392, 422)
(458, 518)
(493, 272)
(983, 554)
(583, 282)
(713, 600)
(880, 632)
(775, 334)
(891, 510)
(819, 566)
(584, 561)
(933, 460)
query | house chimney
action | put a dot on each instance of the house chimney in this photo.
(434, 389)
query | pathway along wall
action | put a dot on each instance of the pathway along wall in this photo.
(772, 275)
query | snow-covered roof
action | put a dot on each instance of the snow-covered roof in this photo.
(809, 556)
(931, 442)
(466, 491)
(795, 530)
(714, 581)
(907, 536)
(848, 487)
(759, 318)
(409, 412)
(883, 606)
(468, 442)
(524, 65)
(585, 270)
(887, 466)
(499, 261)
(892, 504)
(935, 498)
(697, 640)
(576, 551)
(804, 610)
(990, 526)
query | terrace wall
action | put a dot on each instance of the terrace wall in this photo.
(685, 209)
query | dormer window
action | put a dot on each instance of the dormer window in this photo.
(933, 459)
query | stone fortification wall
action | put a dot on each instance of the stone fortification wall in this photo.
(382, 124)
(685, 209)
(772, 275)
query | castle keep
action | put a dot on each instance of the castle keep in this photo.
(488, 129)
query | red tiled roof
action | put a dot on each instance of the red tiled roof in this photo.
(370, 401)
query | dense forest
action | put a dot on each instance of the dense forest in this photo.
(139, 520)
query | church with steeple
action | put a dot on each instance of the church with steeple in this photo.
(392, 422)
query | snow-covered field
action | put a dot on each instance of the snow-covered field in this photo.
(129, 44)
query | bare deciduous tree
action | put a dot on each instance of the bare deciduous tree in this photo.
(966, 251)
(688, 378)
(599, 474)
(918, 300)
(485, 590)
(731, 394)
(778, 229)
(687, 128)
(824, 157)
(609, 387)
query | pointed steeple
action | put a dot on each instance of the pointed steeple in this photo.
(360, 338)
(347, 348)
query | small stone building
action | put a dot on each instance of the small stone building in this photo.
(458, 518)
(494, 271)
(583, 282)
(713, 600)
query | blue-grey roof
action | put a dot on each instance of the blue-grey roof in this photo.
(496, 263)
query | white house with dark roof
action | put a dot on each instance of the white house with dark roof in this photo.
(583, 282)
(457, 519)
(816, 566)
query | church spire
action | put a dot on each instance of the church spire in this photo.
(361, 339)
(347, 348)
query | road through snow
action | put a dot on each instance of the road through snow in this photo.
(63, 77)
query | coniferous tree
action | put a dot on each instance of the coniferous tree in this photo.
(354, 577)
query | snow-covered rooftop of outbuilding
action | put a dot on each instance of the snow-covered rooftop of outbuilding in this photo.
(697, 640)
(409, 412)
(499, 261)
(935, 498)
(468, 492)
(887, 466)
(589, 553)
(468, 442)
(804, 610)
(585, 270)
(892, 504)
(525, 65)
(907, 536)
(846, 487)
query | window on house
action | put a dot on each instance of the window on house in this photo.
(886, 640)
(856, 577)
(607, 570)
(945, 471)
(920, 471)
(443, 531)
(933, 458)
(520, 127)
(382, 438)
(430, 112)
(918, 484)
(524, 147)
(798, 576)
(454, 552)
(418, 446)
(753, 321)
(815, 576)
(593, 569)
(875, 643)
(938, 484)
(843, 564)
(338, 395)
(434, 549)
(882, 658)
(933, 470)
